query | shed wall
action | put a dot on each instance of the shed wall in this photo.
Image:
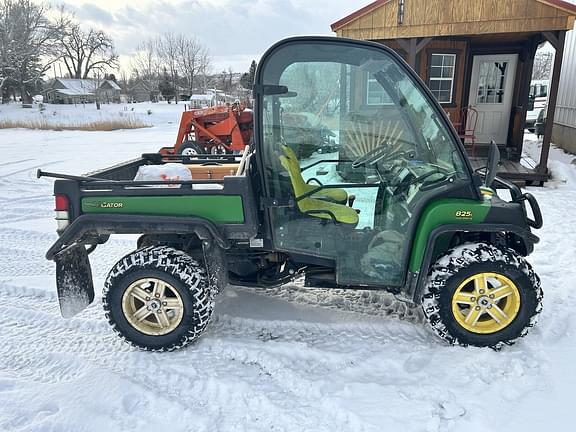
(564, 132)
(455, 17)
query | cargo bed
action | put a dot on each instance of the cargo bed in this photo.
(109, 201)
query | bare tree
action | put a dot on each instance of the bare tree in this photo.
(145, 66)
(167, 48)
(28, 43)
(89, 51)
(183, 59)
(542, 65)
(226, 78)
(193, 60)
(6, 68)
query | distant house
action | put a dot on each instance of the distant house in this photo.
(109, 91)
(139, 91)
(68, 91)
(564, 131)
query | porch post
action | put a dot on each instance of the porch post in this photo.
(558, 43)
(412, 47)
(519, 119)
(412, 53)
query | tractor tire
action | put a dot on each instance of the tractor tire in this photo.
(158, 299)
(481, 295)
(191, 148)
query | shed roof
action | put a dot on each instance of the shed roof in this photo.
(81, 87)
(423, 18)
(111, 84)
(77, 86)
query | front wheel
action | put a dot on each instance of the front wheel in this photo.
(191, 148)
(158, 299)
(478, 294)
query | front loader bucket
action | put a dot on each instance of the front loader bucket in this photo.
(74, 280)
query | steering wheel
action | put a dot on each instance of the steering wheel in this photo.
(371, 157)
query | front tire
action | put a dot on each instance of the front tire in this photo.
(480, 295)
(158, 299)
(191, 148)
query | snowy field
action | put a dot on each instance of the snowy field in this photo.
(56, 116)
(289, 360)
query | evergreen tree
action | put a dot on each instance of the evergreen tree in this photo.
(247, 79)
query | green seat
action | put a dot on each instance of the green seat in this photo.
(339, 196)
(315, 207)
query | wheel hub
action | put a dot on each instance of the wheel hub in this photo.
(486, 303)
(152, 306)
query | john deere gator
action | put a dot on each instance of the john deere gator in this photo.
(394, 205)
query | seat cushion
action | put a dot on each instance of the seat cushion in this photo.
(330, 194)
(324, 210)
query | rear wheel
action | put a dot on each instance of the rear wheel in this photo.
(191, 148)
(158, 299)
(478, 294)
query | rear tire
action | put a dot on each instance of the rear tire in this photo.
(191, 148)
(158, 299)
(480, 295)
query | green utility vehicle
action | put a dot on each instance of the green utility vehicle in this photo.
(392, 205)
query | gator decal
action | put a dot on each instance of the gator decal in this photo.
(104, 204)
(223, 209)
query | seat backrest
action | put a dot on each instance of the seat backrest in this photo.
(291, 156)
(298, 185)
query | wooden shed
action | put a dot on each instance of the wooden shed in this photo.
(477, 54)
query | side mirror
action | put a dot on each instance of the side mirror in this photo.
(492, 164)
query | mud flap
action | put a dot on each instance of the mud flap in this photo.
(74, 280)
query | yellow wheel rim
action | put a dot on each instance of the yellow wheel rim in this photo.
(152, 306)
(486, 303)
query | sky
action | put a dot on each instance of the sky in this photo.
(235, 31)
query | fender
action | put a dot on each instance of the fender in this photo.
(416, 279)
(73, 271)
(87, 226)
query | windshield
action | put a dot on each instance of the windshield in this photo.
(354, 103)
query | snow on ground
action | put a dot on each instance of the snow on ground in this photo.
(293, 360)
(82, 114)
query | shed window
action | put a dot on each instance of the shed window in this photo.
(442, 76)
(375, 93)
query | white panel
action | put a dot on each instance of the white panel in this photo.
(566, 103)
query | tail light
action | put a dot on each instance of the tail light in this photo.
(62, 211)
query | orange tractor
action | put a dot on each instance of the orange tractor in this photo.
(214, 130)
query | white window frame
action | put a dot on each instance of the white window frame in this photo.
(451, 79)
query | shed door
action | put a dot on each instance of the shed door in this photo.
(491, 91)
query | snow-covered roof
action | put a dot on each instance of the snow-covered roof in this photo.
(74, 92)
(202, 97)
(82, 87)
(112, 84)
(77, 86)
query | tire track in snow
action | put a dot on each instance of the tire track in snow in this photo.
(68, 362)
(262, 371)
(15, 162)
(33, 167)
(22, 253)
